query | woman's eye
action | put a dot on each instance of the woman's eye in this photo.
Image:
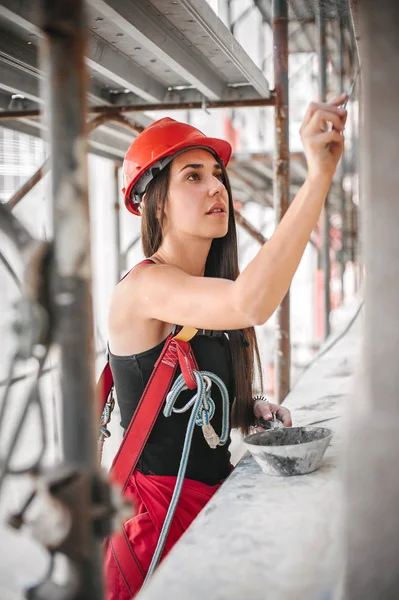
(220, 177)
(193, 177)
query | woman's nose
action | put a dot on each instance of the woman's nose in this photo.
(216, 186)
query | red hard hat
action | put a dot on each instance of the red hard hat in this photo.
(162, 139)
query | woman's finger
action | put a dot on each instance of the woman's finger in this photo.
(263, 409)
(321, 118)
(315, 106)
(323, 139)
(284, 415)
(338, 100)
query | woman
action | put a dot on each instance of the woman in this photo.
(175, 178)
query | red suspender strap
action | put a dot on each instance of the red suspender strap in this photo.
(176, 351)
(136, 436)
(150, 404)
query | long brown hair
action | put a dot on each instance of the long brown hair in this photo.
(222, 262)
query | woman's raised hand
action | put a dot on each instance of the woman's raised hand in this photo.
(322, 136)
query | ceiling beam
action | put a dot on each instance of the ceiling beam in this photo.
(116, 67)
(19, 74)
(146, 27)
(16, 81)
(102, 57)
(227, 43)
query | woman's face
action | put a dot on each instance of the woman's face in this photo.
(197, 202)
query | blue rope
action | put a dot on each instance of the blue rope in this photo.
(203, 409)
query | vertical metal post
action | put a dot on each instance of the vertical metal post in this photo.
(281, 185)
(118, 254)
(343, 167)
(357, 238)
(352, 231)
(325, 217)
(372, 456)
(65, 30)
(231, 112)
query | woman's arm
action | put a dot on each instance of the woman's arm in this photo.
(167, 294)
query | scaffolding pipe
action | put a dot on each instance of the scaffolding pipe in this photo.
(28, 185)
(281, 185)
(130, 108)
(343, 166)
(246, 225)
(118, 254)
(64, 45)
(325, 217)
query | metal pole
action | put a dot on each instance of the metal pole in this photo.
(28, 185)
(246, 225)
(65, 31)
(231, 113)
(118, 254)
(352, 235)
(281, 184)
(372, 456)
(130, 108)
(343, 167)
(325, 217)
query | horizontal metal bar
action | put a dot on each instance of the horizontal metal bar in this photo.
(243, 157)
(179, 94)
(112, 110)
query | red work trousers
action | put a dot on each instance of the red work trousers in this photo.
(152, 495)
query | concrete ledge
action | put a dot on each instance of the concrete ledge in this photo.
(270, 537)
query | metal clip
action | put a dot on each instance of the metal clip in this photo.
(106, 417)
(204, 106)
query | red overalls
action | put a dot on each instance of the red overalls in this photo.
(152, 495)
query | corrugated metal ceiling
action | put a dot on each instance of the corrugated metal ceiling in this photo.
(138, 52)
(147, 51)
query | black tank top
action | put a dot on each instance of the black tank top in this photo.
(162, 453)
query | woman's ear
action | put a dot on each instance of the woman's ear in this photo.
(142, 203)
(160, 216)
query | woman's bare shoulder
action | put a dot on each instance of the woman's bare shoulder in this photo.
(128, 288)
(146, 279)
(129, 332)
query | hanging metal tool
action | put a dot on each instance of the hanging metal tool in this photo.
(352, 88)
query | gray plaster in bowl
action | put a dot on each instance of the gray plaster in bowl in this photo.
(289, 451)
